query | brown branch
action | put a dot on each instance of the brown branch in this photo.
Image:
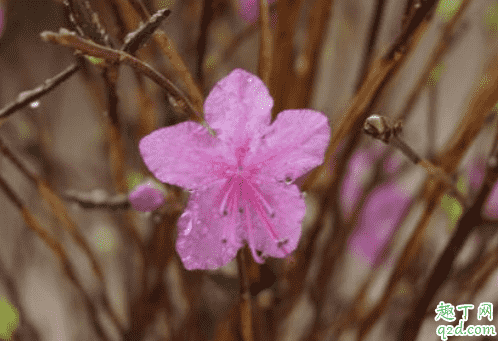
(208, 13)
(370, 48)
(440, 273)
(282, 71)
(381, 73)
(265, 43)
(245, 299)
(134, 40)
(419, 15)
(26, 97)
(56, 247)
(446, 41)
(381, 128)
(174, 58)
(70, 39)
(98, 200)
(303, 80)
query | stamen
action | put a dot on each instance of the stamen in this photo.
(227, 234)
(227, 191)
(270, 229)
(250, 232)
(268, 208)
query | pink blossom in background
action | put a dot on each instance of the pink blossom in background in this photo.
(241, 181)
(491, 205)
(249, 11)
(352, 186)
(394, 163)
(381, 214)
(476, 173)
(146, 197)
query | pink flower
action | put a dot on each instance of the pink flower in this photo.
(240, 181)
(249, 11)
(146, 197)
(382, 213)
(361, 162)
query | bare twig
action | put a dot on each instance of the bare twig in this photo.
(265, 43)
(208, 13)
(98, 199)
(432, 120)
(470, 219)
(374, 33)
(58, 250)
(70, 39)
(134, 40)
(282, 72)
(381, 128)
(446, 41)
(26, 97)
(245, 299)
(382, 71)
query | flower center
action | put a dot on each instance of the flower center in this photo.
(240, 193)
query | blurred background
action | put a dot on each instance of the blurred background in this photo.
(371, 235)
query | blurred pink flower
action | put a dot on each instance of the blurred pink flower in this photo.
(249, 11)
(241, 181)
(146, 197)
(476, 173)
(491, 205)
(381, 214)
(352, 185)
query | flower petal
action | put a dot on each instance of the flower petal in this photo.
(379, 219)
(238, 107)
(146, 198)
(275, 234)
(201, 232)
(185, 155)
(293, 145)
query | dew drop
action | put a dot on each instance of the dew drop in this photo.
(288, 180)
(34, 104)
(186, 232)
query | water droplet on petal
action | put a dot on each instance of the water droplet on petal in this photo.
(186, 232)
(288, 180)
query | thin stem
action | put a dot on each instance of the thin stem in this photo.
(374, 33)
(265, 43)
(446, 41)
(26, 97)
(245, 299)
(135, 39)
(70, 39)
(207, 17)
(431, 124)
(428, 166)
(98, 200)
(470, 219)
